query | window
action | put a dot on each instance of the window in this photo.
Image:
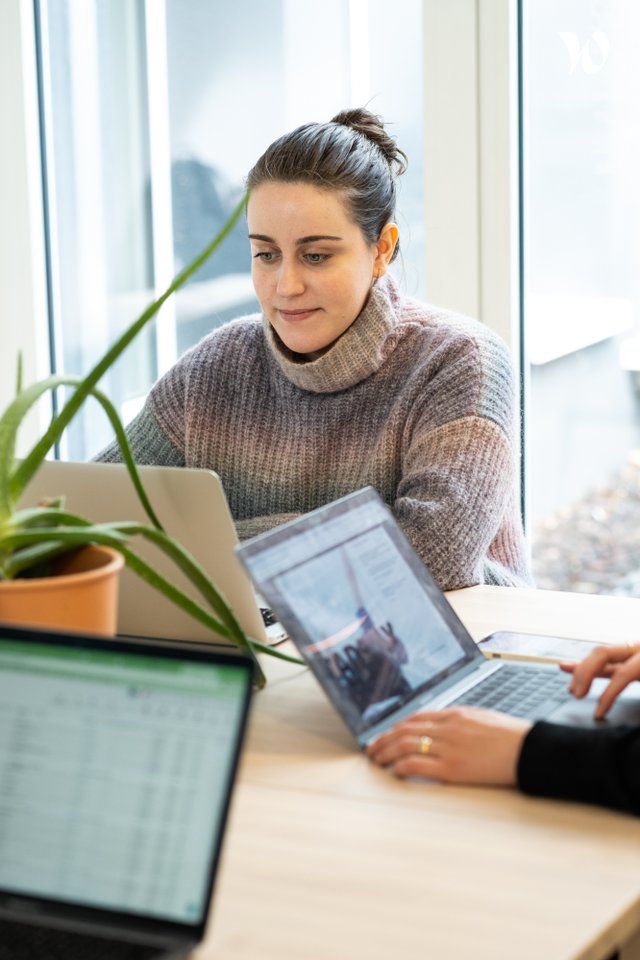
(582, 292)
(153, 113)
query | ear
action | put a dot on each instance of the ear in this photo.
(385, 246)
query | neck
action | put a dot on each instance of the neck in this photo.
(353, 357)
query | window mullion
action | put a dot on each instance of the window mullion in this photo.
(160, 177)
(23, 313)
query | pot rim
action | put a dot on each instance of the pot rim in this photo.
(67, 581)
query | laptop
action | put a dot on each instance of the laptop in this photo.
(379, 634)
(192, 507)
(118, 761)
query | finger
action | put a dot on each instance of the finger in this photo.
(417, 766)
(430, 716)
(607, 671)
(393, 748)
(593, 666)
(622, 677)
(416, 724)
(404, 729)
(608, 696)
(585, 671)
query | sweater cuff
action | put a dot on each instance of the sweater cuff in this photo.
(583, 764)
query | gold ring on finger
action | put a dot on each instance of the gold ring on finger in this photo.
(424, 745)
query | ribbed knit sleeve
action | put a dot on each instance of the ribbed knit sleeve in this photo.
(149, 443)
(593, 766)
(457, 497)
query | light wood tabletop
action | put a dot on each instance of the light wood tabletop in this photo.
(328, 857)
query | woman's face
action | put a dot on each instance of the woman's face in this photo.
(312, 267)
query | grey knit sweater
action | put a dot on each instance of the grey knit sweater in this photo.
(416, 402)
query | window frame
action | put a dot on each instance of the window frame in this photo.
(471, 163)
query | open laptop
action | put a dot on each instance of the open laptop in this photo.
(117, 763)
(192, 507)
(379, 634)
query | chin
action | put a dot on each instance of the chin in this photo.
(303, 345)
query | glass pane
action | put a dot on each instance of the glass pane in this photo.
(582, 292)
(94, 80)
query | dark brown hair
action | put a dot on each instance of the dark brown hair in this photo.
(353, 154)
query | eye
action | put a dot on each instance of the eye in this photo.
(316, 257)
(267, 256)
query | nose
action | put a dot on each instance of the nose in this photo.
(290, 281)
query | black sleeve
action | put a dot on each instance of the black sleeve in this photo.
(599, 766)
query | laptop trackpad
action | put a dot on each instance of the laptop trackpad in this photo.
(625, 711)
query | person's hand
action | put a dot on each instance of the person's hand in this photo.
(621, 663)
(460, 745)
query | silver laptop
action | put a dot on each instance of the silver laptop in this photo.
(379, 634)
(192, 507)
(118, 761)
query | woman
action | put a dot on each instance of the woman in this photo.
(470, 745)
(343, 381)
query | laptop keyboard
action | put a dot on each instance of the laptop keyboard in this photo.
(521, 691)
(19, 941)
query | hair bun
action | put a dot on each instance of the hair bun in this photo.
(372, 127)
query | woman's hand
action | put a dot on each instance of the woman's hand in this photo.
(461, 745)
(621, 663)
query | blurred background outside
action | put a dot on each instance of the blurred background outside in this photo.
(581, 203)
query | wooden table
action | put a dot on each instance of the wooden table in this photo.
(330, 858)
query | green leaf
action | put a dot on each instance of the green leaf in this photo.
(9, 423)
(16, 412)
(30, 557)
(19, 374)
(41, 516)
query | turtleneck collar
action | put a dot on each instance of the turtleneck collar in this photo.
(354, 356)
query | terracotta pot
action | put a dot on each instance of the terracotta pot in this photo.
(82, 595)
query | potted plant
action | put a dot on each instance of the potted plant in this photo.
(36, 543)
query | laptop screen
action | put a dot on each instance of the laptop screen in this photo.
(360, 605)
(115, 772)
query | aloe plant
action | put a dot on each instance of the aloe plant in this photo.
(30, 538)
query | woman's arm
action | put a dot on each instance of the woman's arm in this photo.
(252, 526)
(149, 444)
(474, 746)
(457, 504)
(599, 766)
(457, 497)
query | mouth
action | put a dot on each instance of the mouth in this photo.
(293, 316)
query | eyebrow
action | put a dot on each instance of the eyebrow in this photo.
(311, 239)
